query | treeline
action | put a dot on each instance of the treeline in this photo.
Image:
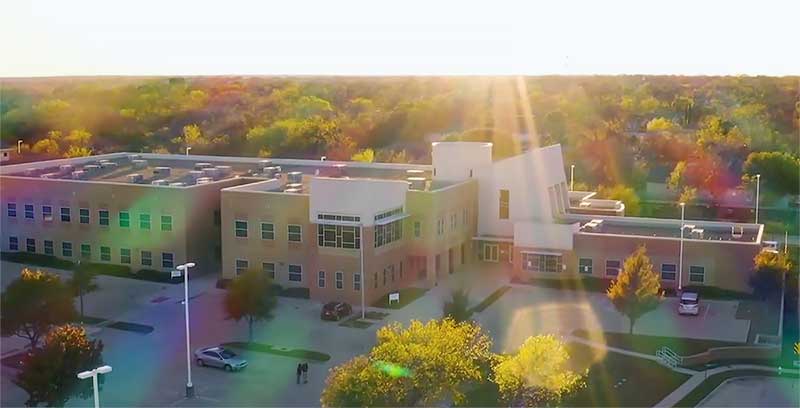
(616, 130)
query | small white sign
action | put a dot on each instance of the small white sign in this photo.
(394, 297)
(176, 274)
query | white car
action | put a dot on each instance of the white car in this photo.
(689, 303)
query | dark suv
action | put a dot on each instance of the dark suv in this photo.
(335, 310)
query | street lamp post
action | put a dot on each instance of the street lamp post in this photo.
(363, 275)
(19, 147)
(93, 373)
(680, 258)
(758, 187)
(571, 177)
(187, 150)
(185, 269)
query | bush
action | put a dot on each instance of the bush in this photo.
(156, 276)
(47, 261)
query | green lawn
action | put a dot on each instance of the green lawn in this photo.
(407, 295)
(614, 380)
(281, 351)
(650, 344)
(356, 322)
(702, 390)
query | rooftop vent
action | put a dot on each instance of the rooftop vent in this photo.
(294, 177)
(160, 182)
(201, 166)
(416, 183)
(296, 186)
(162, 171)
(593, 225)
(225, 170)
(195, 174)
(65, 168)
(133, 157)
(135, 178)
(105, 164)
(415, 173)
(177, 184)
(697, 233)
(211, 172)
(293, 190)
(139, 164)
(771, 246)
(49, 176)
(91, 168)
(737, 231)
(204, 180)
(79, 175)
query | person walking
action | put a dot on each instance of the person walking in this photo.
(305, 373)
(299, 371)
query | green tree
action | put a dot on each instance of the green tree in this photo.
(82, 282)
(662, 124)
(769, 271)
(637, 289)
(780, 171)
(537, 375)
(365, 155)
(250, 297)
(622, 193)
(457, 308)
(33, 303)
(48, 374)
(356, 383)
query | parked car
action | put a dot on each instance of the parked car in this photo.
(335, 310)
(219, 357)
(689, 303)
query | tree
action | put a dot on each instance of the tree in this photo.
(250, 297)
(780, 171)
(82, 282)
(770, 268)
(457, 308)
(33, 303)
(637, 289)
(422, 364)
(537, 375)
(365, 155)
(622, 193)
(661, 124)
(48, 374)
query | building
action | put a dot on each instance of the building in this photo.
(317, 224)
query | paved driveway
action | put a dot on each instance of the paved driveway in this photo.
(755, 392)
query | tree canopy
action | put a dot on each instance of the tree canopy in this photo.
(250, 297)
(769, 270)
(637, 289)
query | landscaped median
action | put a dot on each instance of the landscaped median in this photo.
(119, 271)
(407, 295)
(650, 344)
(280, 351)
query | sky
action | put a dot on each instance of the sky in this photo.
(409, 37)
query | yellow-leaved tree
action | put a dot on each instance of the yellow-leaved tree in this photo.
(637, 289)
(538, 374)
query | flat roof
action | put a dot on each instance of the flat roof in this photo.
(698, 230)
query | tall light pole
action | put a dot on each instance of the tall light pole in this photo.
(363, 275)
(185, 270)
(187, 150)
(571, 177)
(19, 146)
(758, 187)
(93, 373)
(680, 258)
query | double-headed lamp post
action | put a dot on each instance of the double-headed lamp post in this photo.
(680, 257)
(94, 373)
(758, 187)
(185, 270)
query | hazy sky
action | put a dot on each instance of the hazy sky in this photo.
(380, 37)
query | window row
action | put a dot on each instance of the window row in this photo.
(338, 236)
(669, 271)
(84, 216)
(67, 251)
(388, 233)
(294, 271)
(339, 280)
(294, 232)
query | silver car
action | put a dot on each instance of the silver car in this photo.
(689, 303)
(219, 357)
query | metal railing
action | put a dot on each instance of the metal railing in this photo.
(668, 357)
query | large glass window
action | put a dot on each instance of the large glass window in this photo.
(504, 204)
(144, 221)
(240, 228)
(125, 255)
(103, 217)
(668, 271)
(65, 214)
(295, 233)
(30, 245)
(48, 247)
(29, 211)
(124, 219)
(66, 249)
(697, 274)
(267, 230)
(585, 266)
(147, 258)
(47, 213)
(105, 254)
(338, 236)
(295, 273)
(241, 266)
(388, 233)
(269, 269)
(83, 215)
(612, 267)
(166, 223)
(339, 280)
(167, 260)
(11, 209)
(541, 262)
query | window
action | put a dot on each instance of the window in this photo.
(124, 219)
(103, 217)
(83, 214)
(47, 213)
(167, 260)
(612, 268)
(384, 276)
(338, 236)
(388, 233)
(267, 230)
(321, 279)
(11, 209)
(401, 268)
(48, 247)
(541, 262)
(440, 226)
(65, 214)
(269, 269)
(241, 266)
(144, 221)
(240, 228)
(295, 273)
(295, 233)
(668, 271)
(86, 251)
(125, 255)
(166, 223)
(29, 211)
(697, 274)
(333, 217)
(357, 282)
(585, 266)
(417, 229)
(390, 213)
(391, 272)
(217, 218)
(105, 254)
(465, 216)
(504, 201)
(453, 221)
(66, 249)
(13, 244)
(339, 280)
(30, 245)
(375, 280)
(147, 258)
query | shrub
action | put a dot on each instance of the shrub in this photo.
(47, 261)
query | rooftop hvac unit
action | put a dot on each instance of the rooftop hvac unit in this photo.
(29, 172)
(133, 157)
(737, 231)
(49, 176)
(416, 183)
(293, 190)
(201, 166)
(177, 184)
(771, 246)
(211, 172)
(415, 173)
(593, 225)
(294, 177)
(204, 180)
(264, 163)
(225, 170)
(195, 174)
(585, 204)
(91, 168)
(65, 168)
(697, 233)
(139, 164)
(162, 171)
(160, 182)
(339, 170)
(135, 178)
(79, 175)
(105, 164)
(297, 186)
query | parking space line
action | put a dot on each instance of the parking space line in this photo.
(708, 307)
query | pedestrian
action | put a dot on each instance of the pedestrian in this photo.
(305, 373)
(299, 371)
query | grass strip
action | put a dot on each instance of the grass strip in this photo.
(280, 351)
(485, 303)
